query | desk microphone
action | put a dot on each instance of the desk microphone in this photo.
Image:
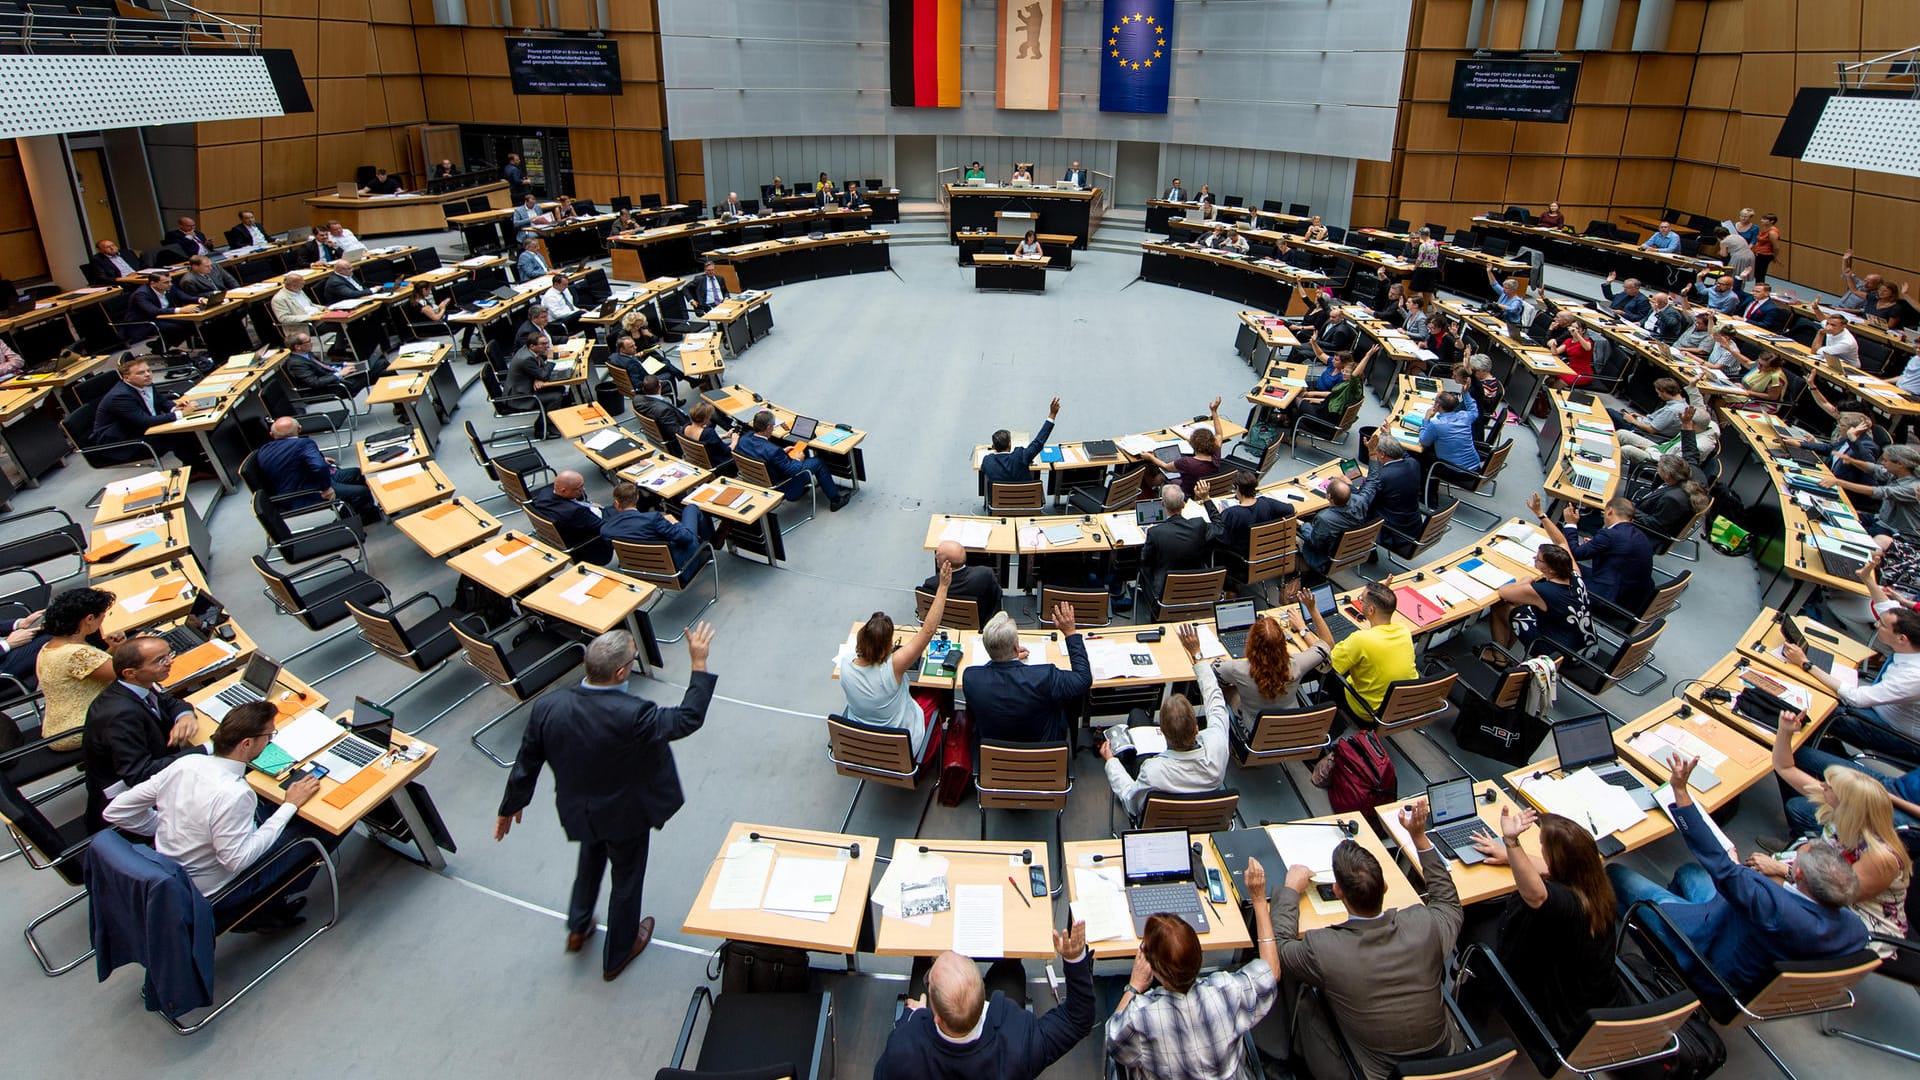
(852, 849)
(1026, 854)
(1345, 825)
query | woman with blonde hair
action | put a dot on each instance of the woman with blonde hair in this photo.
(1269, 676)
(1850, 810)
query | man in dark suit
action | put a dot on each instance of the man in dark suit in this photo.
(1175, 545)
(203, 279)
(706, 290)
(614, 782)
(109, 264)
(539, 321)
(339, 285)
(1015, 701)
(516, 177)
(146, 304)
(531, 373)
(126, 411)
(1076, 175)
(788, 474)
(1233, 526)
(683, 535)
(1620, 556)
(564, 502)
(730, 208)
(1176, 193)
(1394, 479)
(1766, 312)
(976, 583)
(652, 403)
(133, 730)
(249, 233)
(1347, 508)
(1005, 465)
(292, 463)
(309, 370)
(852, 200)
(186, 236)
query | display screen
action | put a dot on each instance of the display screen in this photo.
(563, 65)
(1535, 90)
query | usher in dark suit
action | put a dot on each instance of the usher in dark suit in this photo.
(614, 780)
(125, 741)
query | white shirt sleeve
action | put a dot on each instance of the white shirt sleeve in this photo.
(237, 842)
(133, 809)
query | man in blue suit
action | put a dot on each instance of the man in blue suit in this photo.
(1766, 312)
(1014, 701)
(1620, 555)
(1395, 480)
(789, 475)
(292, 462)
(146, 304)
(133, 405)
(614, 782)
(1005, 465)
(530, 264)
(564, 502)
(1740, 920)
(683, 536)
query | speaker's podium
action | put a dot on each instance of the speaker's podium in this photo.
(1015, 222)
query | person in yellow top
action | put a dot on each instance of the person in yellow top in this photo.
(1375, 656)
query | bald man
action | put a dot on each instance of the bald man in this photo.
(956, 1030)
(292, 464)
(340, 284)
(976, 583)
(564, 502)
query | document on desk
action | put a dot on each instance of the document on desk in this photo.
(1310, 846)
(603, 438)
(1519, 553)
(1120, 660)
(1098, 900)
(979, 921)
(121, 530)
(1125, 530)
(306, 734)
(1488, 574)
(418, 348)
(136, 483)
(805, 888)
(1136, 444)
(1584, 798)
(1666, 742)
(743, 876)
(1209, 641)
(1036, 647)
(395, 475)
(1663, 798)
(968, 534)
(909, 872)
(513, 548)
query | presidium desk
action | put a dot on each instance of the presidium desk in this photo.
(384, 215)
(1060, 210)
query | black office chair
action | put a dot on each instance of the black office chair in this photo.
(423, 646)
(1300, 210)
(620, 202)
(522, 658)
(756, 1037)
(35, 538)
(301, 534)
(47, 845)
(317, 597)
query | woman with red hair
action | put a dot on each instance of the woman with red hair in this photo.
(1171, 1024)
(1269, 677)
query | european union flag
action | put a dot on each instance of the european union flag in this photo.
(1136, 56)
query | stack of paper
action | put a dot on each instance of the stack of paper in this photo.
(979, 921)
(1517, 552)
(743, 876)
(1126, 531)
(971, 534)
(1488, 574)
(805, 888)
(1120, 660)
(1209, 641)
(1470, 587)
(909, 869)
(1101, 902)
(1310, 846)
(1584, 798)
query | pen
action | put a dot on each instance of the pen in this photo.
(1591, 827)
(1017, 891)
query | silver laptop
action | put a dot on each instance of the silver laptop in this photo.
(1455, 822)
(255, 684)
(369, 737)
(347, 189)
(1149, 512)
(1588, 741)
(1232, 621)
(1158, 867)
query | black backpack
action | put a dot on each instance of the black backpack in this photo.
(1701, 1052)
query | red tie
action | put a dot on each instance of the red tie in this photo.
(1751, 308)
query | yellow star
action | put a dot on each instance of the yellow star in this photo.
(1124, 19)
(1117, 29)
(1137, 17)
(1136, 67)
(1149, 18)
(1148, 63)
(1156, 52)
(1116, 52)
(1113, 41)
(1160, 41)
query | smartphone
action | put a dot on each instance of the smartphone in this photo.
(1037, 880)
(297, 775)
(1216, 889)
(1326, 893)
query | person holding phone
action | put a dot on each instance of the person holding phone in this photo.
(202, 813)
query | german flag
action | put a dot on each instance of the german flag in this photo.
(925, 58)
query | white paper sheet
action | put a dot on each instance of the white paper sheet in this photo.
(1115, 660)
(1126, 530)
(805, 887)
(1310, 846)
(1663, 797)
(577, 592)
(135, 483)
(493, 555)
(1584, 798)
(1101, 903)
(970, 534)
(909, 867)
(120, 530)
(304, 735)
(1488, 574)
(603, 438)
(1468, 586)
(1209, 641)
(979, 921)
(402, 472)
(743, 876)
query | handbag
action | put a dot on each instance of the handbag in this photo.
(956, 759)
(751, 967)
(1728, 538)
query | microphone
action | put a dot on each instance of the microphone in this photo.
(1345, 825)
(852, 849)
(1026, 854)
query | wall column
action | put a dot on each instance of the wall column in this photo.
(43, 158)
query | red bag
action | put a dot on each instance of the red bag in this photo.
(1358, 775)
(956, 760)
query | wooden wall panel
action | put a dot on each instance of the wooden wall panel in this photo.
(20, 250)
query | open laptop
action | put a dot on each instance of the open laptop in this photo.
(1588, 741)
(1329, 605)
(803, 428)
(347, 189)
(1158, 867)
(369, 736)
(299, 235)
(1792, 632)
(1232, 619)
(1454, 823)
(256, 682)
(1149, 512)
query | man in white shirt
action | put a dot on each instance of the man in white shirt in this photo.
(1194, 760)
(340, 243)
(202, 813)
(1887, 700)
(558, 300)
(293, 309)
(1833, 339)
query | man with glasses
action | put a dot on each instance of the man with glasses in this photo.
(133, 728)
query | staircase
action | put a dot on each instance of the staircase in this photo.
(924, 224)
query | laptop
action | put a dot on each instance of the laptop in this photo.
(1580, 398)
(1588, 741)
(1232, 619)
(1149, 512)
(299, 235)
(369, 737)
(1169, 453)
(1329, 605)
(1158, 869)
(1792, 632)
(256, 682)
(803, 428)
(1100, 448)
(976, 181)
(347, 189)
(1845, 561)
(1453, 823)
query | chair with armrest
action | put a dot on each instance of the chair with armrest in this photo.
(516, 405)
(1019, 500)
(1410, 705)
(1238, 458)
(883, 755)
(1903, 967)
(959, 614)
(1187, 595)
(317, 597)
(423, 646)
(517, 471)
(1483, 484)
(1194, 811)
(1330, 433)
(522, 657)
(1091, 607)
(1271, 554)
(1796, 987)
(1356, 546)
(754, 471)
(1663, 601)
(1283, 735)
(1120, 493)
(110, 850)
(1630, 653)
(1637, 1032)
(1406, 549)
(548, 533)
(653, 563)
(298, 535)
(46, 845)
(776, 1036)
(34, 538)
(1024, 776)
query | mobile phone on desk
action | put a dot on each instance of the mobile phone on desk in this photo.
(1216, 889)
(297, 775)
(1037, 880)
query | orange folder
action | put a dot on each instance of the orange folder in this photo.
(442, 510)
(169, 592)
(107, 550)
(344, 794)
(603, 588)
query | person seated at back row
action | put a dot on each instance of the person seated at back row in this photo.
(1195, 759)
(292, 463)
(684, 535)
(970, 582)
(564, 502)
(1014, 701)
(1233, 525)
(789, 472)
(1006, 465)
